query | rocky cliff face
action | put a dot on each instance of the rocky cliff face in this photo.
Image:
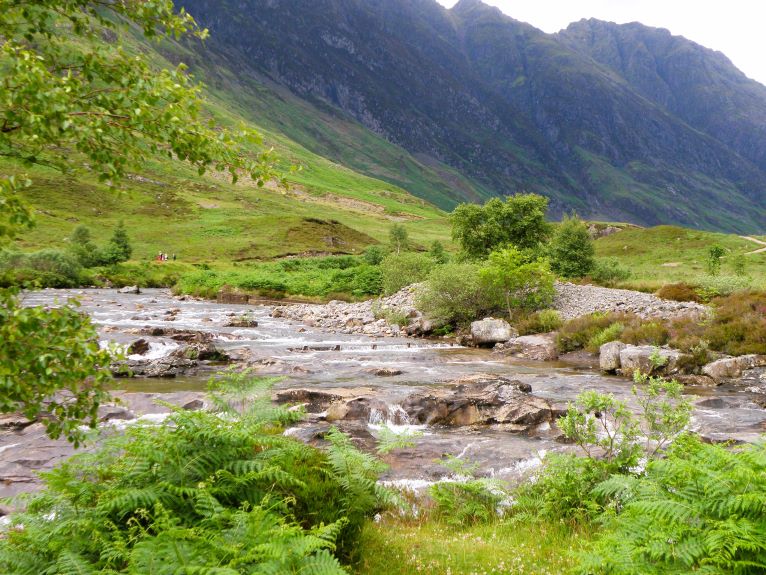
(615, 122)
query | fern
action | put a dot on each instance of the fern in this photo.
(203, 493)
(702, 509)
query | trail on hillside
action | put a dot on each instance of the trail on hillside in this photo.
(757, 241)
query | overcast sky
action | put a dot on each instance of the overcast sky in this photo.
(735, 27)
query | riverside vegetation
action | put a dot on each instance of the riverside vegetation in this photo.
(225, 491)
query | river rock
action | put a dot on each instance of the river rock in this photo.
(385, 371)
(480, 400)
(539, 347)
(639, 358)
(129, 289)
(489, 331)
(243, 322)
(728, 368)
(609, 356)
(138, 347)
(171, 365)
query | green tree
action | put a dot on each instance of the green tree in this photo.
(571, 250)
(454, 294)
(518, 221)
(526, 284)
(404, 269)
(398, 238)
(437, 252)
(373, 255)
(72, 101)
(118, 249)
(714, 255)
(82, 247)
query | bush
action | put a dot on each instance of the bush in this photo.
(646, 333)
(576, 333)
(571, 249)
(699, 510)
(202, 492)
(524, 284)
(47, 268)
(543, 321)
(373, 255)
(468, 499)
(401, 270)
(453, 294)
(437, 253)
(712, 287)
(738, 326)
(518, 222)
(678, 292)
(608, 272)
(611, 333)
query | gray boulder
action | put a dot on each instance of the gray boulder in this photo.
(609, 356)
(490, 331)
(732, 367)
(129, 289)
(539, 347)
(639, 358)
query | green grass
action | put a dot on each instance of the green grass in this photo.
(395, 547)
(669, 254)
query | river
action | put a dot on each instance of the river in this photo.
(306, 357)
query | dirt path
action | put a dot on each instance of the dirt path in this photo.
(757, 241)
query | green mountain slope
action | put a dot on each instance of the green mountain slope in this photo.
(502, 103)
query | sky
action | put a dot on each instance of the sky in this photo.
(735, 27)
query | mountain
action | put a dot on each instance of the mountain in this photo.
(616, 122)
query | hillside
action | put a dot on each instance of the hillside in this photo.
(473, 92)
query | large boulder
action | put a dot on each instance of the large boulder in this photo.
(609, 356)
(729, 368)
(480, 400)
(129, 289)
(490, 331)
(538, 347)
(642, 358)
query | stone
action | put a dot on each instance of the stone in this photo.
(138, 347)
(609, 356)
(539, 347)
(490, 331)
(639, 358)
(241, 322)
(732, 367)
(480, 400)
(129, 289)
(385, 371)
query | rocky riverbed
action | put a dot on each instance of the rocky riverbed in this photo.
(493, 408)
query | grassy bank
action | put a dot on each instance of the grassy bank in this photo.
(398, 547)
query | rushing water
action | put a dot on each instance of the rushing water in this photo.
(314, 358)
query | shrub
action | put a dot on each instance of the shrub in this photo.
(518, 222)
(576, 333)
(712, 287)
(468, 499)
(646, 333)
(373, 255)
(368, 280)
(608, 272)
(562, 489)
(400, 270)
(699, 510)
(453, 294)
(202, 492)
(611, 333)
(525, 285)
(437, 253)
(571, 249)
(543, 321)
(52, 268)
(678, 292)
(714, 255)
(738, 326)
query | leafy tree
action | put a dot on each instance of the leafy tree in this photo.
(398, 238)
(82, 247)
(518, 221)
(72, 101)
(117, 250)
(437, 252)
(714, 255)
(51, 366)
(571, 249)
(525, 284)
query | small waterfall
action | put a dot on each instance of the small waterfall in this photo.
(393, 417)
